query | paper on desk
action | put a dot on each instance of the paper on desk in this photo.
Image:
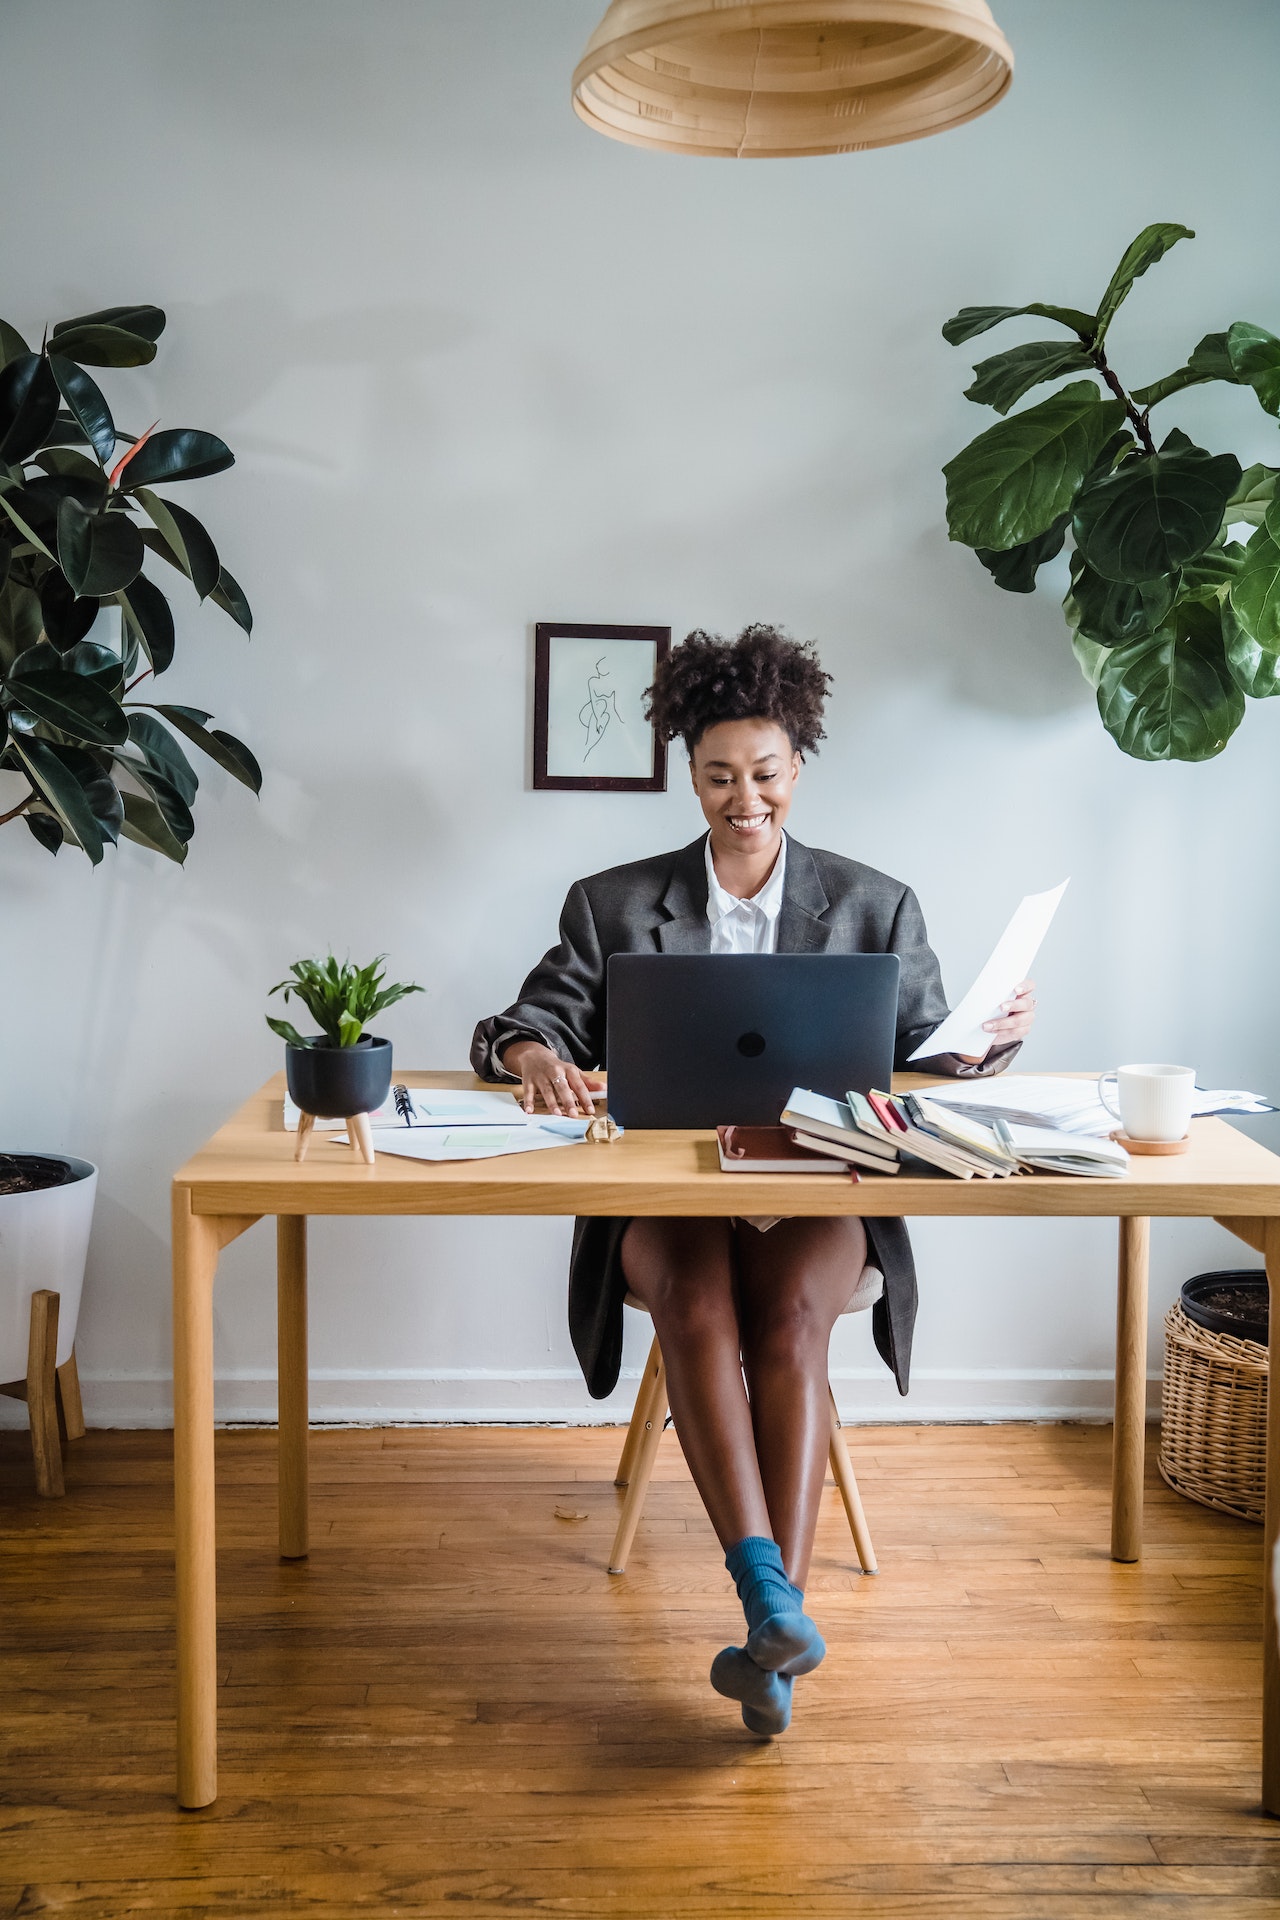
(478, 1143)
(433, 1107)
(1070, 1103)
(961, 1031)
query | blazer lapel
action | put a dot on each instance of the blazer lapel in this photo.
(686, 928)
(801, 926)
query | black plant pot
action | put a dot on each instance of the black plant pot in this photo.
(336, 1082)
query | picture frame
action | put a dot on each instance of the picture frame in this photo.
(589, 730)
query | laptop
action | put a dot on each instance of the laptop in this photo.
(713, 1040)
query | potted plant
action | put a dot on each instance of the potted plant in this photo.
(342, 1071)
(82, 629)
(1175, 622)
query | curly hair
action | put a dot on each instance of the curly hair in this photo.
(762, 675)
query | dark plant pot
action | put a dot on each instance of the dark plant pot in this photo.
(335, 1082)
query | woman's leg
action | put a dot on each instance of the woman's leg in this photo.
(795, 1281)
(683, 1270)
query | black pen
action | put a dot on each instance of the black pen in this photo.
(404, 1104)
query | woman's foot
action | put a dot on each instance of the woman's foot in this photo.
(781, 1638)
(765, 1698)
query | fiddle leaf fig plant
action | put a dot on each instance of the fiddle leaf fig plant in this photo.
(82, 627)
(1174, 622)
(340, 999)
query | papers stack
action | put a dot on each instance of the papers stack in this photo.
(446, 1123)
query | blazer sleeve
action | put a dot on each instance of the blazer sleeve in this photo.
(561, 1004)
(922, 1005)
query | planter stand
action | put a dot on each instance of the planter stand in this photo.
(359, 1132)
(52, 1394)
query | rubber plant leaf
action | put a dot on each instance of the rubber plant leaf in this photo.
(1156, 512)
(231, 754)
(70, 701)
(147, 827)
(87, 404)
(183, 541)
(1010, 484)
(1172, 696)
(179, 453)
(66, 617)
(12, 344)
(971, 321)
(176, 812)
(163, 754)
(1151, 245)
(229, 595)
(99, 346)
(150, 619)
(28, 406)
(98, 552)
(63, 792)
(1001, 381)
(113, 478)
(139, 317)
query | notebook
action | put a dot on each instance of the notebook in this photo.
(772, 1150)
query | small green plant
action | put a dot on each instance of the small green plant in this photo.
(340, 999)
(1174, 622)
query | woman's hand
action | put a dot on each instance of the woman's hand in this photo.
(548, 1081)
(1013, 1021)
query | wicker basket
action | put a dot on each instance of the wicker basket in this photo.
(1213, 1436)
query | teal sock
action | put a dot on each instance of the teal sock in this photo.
(781, 1638)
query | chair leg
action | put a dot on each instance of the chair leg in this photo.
(842, 1468)
(70, 1406)
(635, 1432)
(642, 1467)
(42, 1393)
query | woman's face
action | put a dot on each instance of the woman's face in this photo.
(744, 772)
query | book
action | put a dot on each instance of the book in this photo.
(870, 1124)
(914, 1141)
(961, 1132)
(772, 1150)
(867, 1156)
(1051, 1150)
(825, 1119)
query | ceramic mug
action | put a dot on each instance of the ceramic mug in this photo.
(1154, 1101)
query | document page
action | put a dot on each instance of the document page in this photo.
(961, 1031)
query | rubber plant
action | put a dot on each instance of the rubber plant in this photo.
(1174, 621)
(77, 525)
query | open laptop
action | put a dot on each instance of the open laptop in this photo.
(712, 1040)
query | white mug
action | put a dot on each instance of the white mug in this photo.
(1154, 1101)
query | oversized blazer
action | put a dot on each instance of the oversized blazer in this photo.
(829, 905)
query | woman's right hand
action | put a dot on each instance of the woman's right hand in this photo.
(548, 1081)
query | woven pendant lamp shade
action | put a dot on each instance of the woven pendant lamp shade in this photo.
(782, 77)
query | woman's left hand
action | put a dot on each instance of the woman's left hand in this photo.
(1014, 1020)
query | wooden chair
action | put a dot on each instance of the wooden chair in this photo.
(52, 1394)
(640, 1448)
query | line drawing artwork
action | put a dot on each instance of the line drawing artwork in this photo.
(599, 708)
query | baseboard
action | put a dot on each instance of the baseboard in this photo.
(555, 1396)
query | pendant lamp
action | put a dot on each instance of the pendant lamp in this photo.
(782, 77)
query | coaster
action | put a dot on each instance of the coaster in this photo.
(1150, 1146)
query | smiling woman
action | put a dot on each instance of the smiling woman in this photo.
(743, 1311)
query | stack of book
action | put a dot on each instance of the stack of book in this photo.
(878, 1131)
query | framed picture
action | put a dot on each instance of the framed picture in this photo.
(589, 730)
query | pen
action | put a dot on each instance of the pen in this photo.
(404, 1104)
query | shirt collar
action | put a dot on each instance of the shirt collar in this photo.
(767, 902)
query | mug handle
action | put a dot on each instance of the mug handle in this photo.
(1102, 1094)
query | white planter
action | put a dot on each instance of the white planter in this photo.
(44, 1238)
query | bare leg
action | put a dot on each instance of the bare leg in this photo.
(795, 1281)
(683, 1270)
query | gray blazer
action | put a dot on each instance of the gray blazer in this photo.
(829, 904)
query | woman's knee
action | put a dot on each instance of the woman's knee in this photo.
(792, 1327)
(681, 1270)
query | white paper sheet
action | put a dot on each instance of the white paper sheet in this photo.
(961, 1031)
(477, 1143)
(433, 1107)
(1073, 1105)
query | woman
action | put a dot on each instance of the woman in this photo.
(743, 1310)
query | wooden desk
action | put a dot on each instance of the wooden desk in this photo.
(247, 1170)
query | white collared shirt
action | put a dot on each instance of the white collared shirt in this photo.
(745, 926)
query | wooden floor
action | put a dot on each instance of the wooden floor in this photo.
(452, 1710)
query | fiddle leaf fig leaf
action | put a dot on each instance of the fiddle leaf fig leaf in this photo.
(1255, 360)
(1010, 484)
(1111, 613)
(1002, 380)
(1015, 568)
(971, 321)
(1253, 495)
(87, 405)
(1172, 696)
(1255, 665)
(1155, 512)
(1255, 591)
(1151, 245)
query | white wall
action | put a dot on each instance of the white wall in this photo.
(482, 367)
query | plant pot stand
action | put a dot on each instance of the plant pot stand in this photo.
(359, 1132)
(52, 1394)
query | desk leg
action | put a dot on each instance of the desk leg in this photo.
(195, 1262)
(291, 1343)
(1271, 1540)
(1128, 1458)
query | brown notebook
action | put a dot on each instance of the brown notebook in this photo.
(772, 1150)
